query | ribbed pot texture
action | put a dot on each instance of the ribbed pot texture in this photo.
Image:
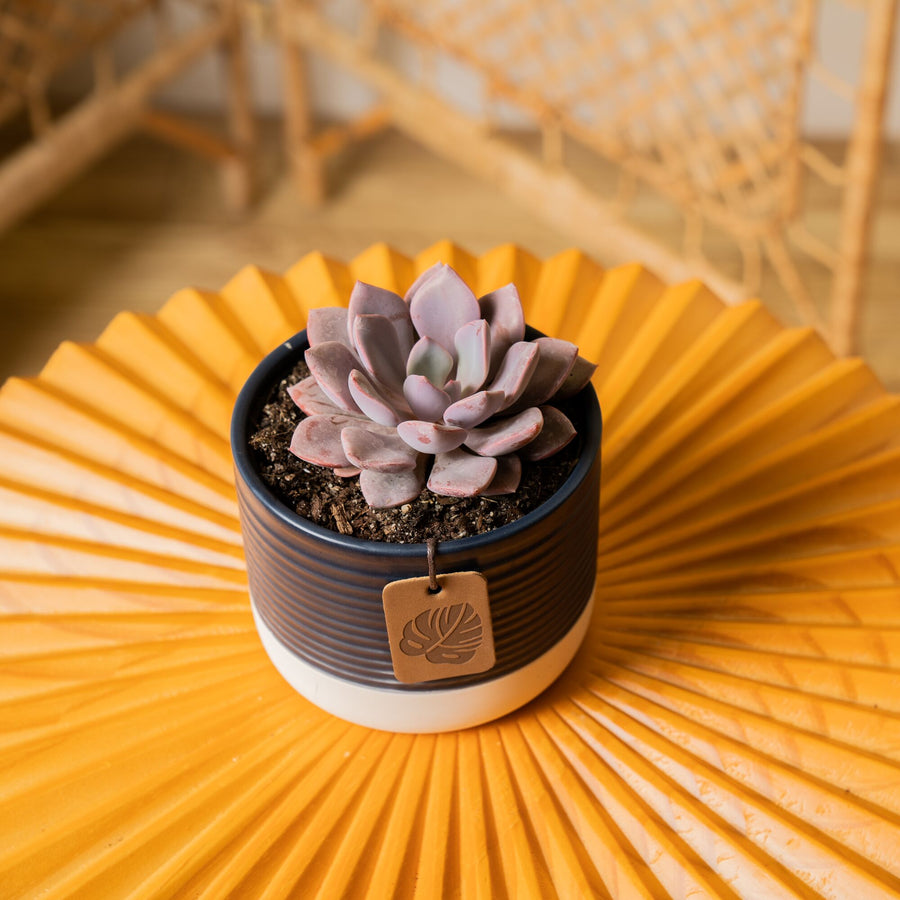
(320, 592)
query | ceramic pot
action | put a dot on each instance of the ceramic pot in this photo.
(317, 596)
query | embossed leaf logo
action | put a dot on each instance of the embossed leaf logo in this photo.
(446, 634)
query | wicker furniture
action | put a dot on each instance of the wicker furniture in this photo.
(700, 104)
(41, 40)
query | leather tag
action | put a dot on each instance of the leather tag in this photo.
(440, 635)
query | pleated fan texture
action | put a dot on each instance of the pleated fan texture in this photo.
(730, 729)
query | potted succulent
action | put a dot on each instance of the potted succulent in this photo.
(433, 399)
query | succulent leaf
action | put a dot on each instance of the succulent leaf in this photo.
(328, 323)
(379, 349)
(425, 400)
(371, 401)
(581, 373)
(473, 350)
(430, 359)
(557, 432)
(428, 437)
(516, 370)
(375, 450)
(457, 473)
(346, 471)
(507, 478)
(386, 489)
(312, 399)
(369, 300)
(441, 305)
(431, 270)
(475, 409)
(502, 309)
(331, 363)
(555, 361)
(317, 440)
(506, 435)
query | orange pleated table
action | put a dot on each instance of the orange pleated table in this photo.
(731, 727)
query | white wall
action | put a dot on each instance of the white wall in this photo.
(338, 95)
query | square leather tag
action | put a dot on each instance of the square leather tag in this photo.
(440, 635)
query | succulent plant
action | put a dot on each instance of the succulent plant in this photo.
(436, 376)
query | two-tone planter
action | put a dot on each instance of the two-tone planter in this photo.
(319, 605)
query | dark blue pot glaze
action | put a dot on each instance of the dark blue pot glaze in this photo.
(320, 592)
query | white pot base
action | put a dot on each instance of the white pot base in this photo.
(437, 709)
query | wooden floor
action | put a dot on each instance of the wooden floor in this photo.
(149, 220)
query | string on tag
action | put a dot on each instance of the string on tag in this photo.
(433, 586)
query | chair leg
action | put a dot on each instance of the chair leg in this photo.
(306, 164)
(862, 165)
(239, 170)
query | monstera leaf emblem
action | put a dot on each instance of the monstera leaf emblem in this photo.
(445, 634)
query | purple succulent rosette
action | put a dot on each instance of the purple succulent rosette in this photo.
(439, 377)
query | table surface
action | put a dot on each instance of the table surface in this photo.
(729, 729)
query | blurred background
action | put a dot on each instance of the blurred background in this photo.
(147, 145)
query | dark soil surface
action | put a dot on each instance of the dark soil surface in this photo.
(337, 503)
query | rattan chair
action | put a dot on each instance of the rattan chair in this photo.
(700, 104)
(40, 43)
